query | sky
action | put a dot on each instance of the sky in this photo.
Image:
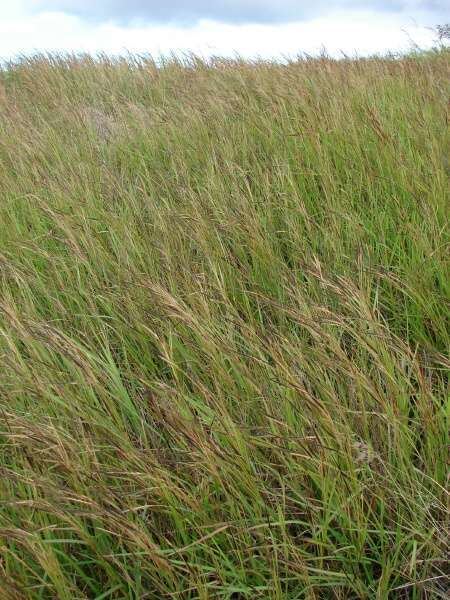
(250, 28)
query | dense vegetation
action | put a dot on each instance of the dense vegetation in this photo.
(223, 328)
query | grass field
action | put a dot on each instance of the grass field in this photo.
(224, 302)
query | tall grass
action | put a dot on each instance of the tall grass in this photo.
(224, 328)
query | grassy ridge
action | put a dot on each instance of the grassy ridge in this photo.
(223, 329)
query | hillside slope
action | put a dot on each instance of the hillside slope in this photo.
(224, 328)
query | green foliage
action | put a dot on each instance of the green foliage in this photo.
(224, 328)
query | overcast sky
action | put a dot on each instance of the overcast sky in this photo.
(267, 28)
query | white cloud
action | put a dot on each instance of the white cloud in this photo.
(232, 11)
(362, 32)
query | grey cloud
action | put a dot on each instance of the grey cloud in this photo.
(234, 11)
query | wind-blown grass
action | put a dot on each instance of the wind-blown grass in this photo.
(224, 329)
